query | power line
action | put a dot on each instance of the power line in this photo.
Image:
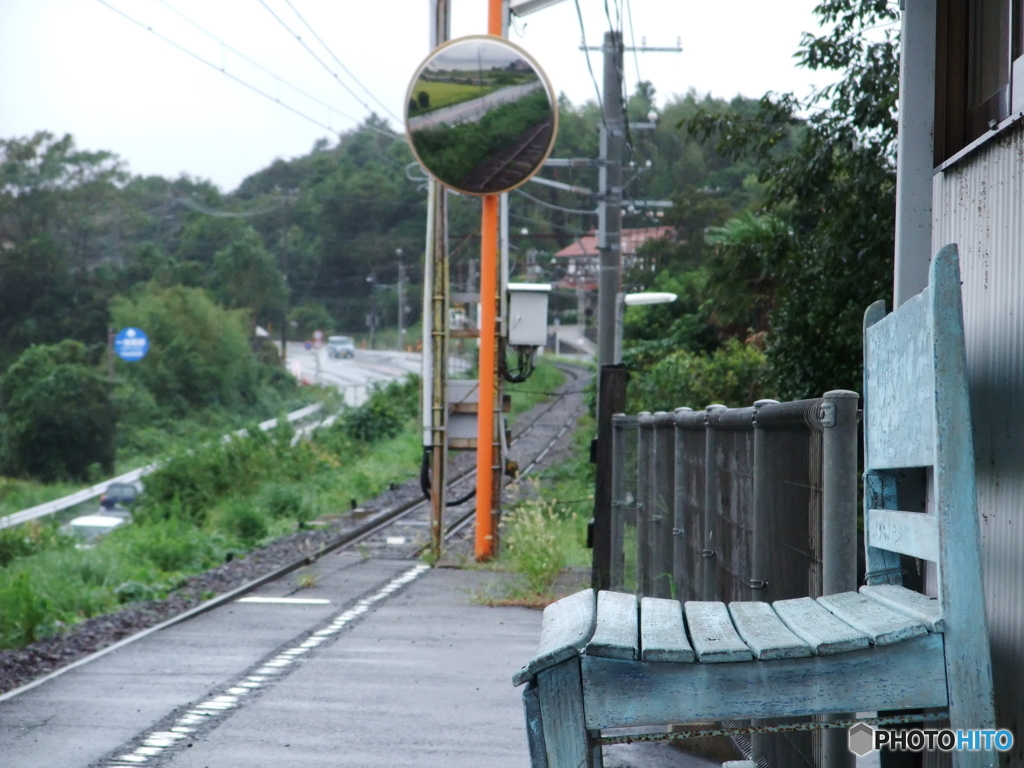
(252, 61)
(340, 64)
(320, 61)
(554, 207)
(586, 52)
(189, 202)
(237, 79)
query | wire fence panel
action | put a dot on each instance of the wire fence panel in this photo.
(731, 496)
(690, 471)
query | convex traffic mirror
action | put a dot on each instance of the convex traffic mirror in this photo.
(480, 115)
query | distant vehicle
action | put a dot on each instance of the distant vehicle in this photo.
(340, 346)
(120, 495)
(88, 529)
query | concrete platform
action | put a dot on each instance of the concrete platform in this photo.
(421, 677)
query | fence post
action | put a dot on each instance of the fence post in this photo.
(618, 485)
(839, 525)
(611, 400)
(760, 558)
(644, 494)
(761, 550)
(662, 504)
(680, 525)
(711, 500)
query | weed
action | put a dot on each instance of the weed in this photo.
(307, 578)
(239, 517)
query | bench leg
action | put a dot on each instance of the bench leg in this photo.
(556, 712)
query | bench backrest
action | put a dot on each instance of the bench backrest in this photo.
(917, 415)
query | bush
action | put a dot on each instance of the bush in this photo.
(59, 416)
(732, 375)
(240, 518)
(538, 542)
(286, 501)
(385, 411)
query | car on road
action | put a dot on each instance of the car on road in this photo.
(120, 495)
(340, 347)
(88, 529)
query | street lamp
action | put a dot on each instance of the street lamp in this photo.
(635, 300)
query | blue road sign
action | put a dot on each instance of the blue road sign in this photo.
(131, 344)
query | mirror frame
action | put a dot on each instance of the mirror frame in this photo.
(542, 76)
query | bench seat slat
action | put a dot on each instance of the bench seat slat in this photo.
(615, 636)
(763, 631)
(921, 607)
(822, 631)
(880, 623)
(566, 627)
(712, 633)
(662, 634)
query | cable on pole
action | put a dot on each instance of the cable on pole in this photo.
(552, 206)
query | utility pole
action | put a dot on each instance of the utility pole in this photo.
(284, 269)
(401, 301)
(609, 216)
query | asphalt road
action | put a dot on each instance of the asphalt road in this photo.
(356, 376)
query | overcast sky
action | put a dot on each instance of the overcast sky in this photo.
(76, 66)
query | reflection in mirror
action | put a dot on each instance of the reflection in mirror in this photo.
(480, 115)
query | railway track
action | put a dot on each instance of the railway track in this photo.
(399, 531)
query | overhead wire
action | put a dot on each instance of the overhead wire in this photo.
(255, 63)
(579, 211)
(237, 79)
(323, 63)
(340, 64)
(590, 68)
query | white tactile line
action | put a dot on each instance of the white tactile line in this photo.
(156, 742)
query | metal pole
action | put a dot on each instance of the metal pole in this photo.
(762, 530)
(610, 200)
(915, 150)
(839, 526)
(401, 303)
(711, 502)
(284, 313)
(611, 400)
(435, 322)
(488, 475)
(662, 504)
(644, 437)
(680, 525)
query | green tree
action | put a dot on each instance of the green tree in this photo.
(245, 276)
(835, 191)
(199, 354)
(58, 414)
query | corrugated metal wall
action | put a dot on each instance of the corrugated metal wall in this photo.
(979, 204)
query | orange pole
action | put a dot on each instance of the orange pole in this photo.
(488, 349)
(485, 409)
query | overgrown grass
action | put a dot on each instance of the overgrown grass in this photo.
(203, 506)
(545, 532)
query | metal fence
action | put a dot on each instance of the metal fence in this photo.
(756, 503)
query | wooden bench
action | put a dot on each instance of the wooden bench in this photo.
(611, 661)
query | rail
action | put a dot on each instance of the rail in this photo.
(52, 507)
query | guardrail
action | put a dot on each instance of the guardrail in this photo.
(51, 507)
